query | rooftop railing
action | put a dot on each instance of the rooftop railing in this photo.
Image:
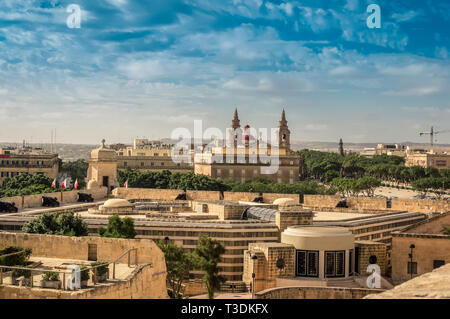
(39, 271)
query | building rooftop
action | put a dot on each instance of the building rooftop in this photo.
(435, 284)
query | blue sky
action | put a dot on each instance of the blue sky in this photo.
(143, 68)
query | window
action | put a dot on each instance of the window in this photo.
(125, 164)
(412, 268)
(142, 164)
(335, 263)
(438, 263)
(307, 263)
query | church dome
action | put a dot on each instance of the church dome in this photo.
(117, 203)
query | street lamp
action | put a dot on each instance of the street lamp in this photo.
(254, 258)
(412, 246)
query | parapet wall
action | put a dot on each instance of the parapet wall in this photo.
(35, 200)
(143, 283)
(163, 194)
(315, 293)
(421, 205)
(361, 204)
(66, 247)
(267, 197)
(147, 281)
(377, 204)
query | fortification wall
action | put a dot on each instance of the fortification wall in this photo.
(143, 283)
(420, 205)
(315, 293)
(35, 200)
(66, 247)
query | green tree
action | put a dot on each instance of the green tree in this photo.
(366, 185)
(26, 184)
(208, 254)
(344, 185)
(118, 228)
(77, 170)
(66, 224)
(178, 264)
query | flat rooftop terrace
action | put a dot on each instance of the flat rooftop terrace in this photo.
(122, 271)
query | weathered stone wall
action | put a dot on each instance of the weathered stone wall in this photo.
(145, 193)
(284, 219)
(36, 200)
(356, 203)
(420, 205)
(270, 197)
(147, 281)
(237, 196)
(315, 293)
(321, 200)
(66, 247)
(194, 287)
(18, 200)
(370, 248)
(432, 285)
(265, 267)
(144, 282)
(433, 225)
(428, 248)
(362, 203)
(203, 195)
(29, 201)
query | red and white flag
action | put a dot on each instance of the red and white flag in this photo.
(54, 183)
(63, 184)
(76, 184)
(126, 184)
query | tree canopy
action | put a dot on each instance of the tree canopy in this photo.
(67, 224)
(118, 228)
(179, 263)
(77, 170)
(208, 253)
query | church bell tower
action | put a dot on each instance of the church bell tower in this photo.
(284, 140)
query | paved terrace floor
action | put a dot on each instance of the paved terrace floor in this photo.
(57, 264)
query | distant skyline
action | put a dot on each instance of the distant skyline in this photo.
(143, 68)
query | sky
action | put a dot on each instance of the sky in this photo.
(143, 68)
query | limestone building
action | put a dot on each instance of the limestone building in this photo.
(27, 160)
(149, 155)
(102, 171)
(312, 256)
(420, 248)
(430, 159)
(134, 268)
(244, 156)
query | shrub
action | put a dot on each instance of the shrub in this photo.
(84, 274)
(50, 276)
(66, 224)
(118, 228)
(102, 269)
(14, 260)
(16, 273)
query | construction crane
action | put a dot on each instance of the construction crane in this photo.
(432, 133)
